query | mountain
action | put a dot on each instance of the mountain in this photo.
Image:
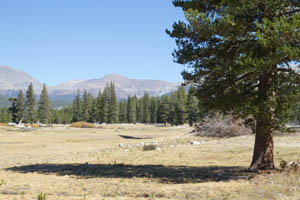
(12, 80)
(124, 86)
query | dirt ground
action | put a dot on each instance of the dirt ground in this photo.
(109, 163)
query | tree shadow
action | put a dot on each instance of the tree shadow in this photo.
(163, 174)
(133, 138)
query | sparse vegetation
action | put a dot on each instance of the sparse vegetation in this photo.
(149, 147)
(222, 128)
(41, 196)
(82, 125)
(69, 163)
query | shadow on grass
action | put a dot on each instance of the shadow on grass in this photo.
(164, 174)
(133, 138)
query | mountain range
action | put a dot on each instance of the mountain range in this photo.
(12, 80)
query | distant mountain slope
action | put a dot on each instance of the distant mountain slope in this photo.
(12, 80)
(124, 86)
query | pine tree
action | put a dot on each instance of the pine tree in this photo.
(105, 104)
(139, 109)
(85, 107)
(13, 109)
(245, 69)
(122, 112)
(192, 106)
(153, 109)
(5, 116)
(44, 109)
(180, 107)
(172, 105)
(164, 109)
(146, 115)
(131, 110)
(30, 113)
(98, 108)
(20, 107)
(77, 108)
(113, 105)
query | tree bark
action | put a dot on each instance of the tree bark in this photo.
(263, 157)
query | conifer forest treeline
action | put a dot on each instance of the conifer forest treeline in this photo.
(177, 108)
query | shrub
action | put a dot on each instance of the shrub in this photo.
(82, 125)
(221, 128)
(35, 125)
(149, 147)
(41, 196)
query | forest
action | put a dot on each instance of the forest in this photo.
(177, 108)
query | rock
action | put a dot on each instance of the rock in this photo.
(121, 145)
(196, 143)
(20, 126)
(141, 144)
(11, 124)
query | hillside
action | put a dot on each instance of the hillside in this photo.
(12, 80)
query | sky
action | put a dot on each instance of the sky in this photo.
(60, 40)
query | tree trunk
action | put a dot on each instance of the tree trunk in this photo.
(263, 157)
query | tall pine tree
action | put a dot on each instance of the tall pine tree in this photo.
(246, 69)
(30, 105)
(131, 110)
(77, 108)
(180, 107)
(44, 109)
(20, 107)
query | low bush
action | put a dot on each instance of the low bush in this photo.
(41, 196)
(35, 125)
(223, 128)
(149, 147)
(82, 125)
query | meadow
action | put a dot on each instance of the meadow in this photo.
(111, 162)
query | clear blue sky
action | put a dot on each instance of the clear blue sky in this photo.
(60, 40)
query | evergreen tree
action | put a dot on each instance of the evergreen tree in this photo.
(30, 112)
(122, 112)
(172, 105)
(164, 109)
(180, 107)
(44, 109)
(139, 109)
(113, 105)
(105, 104)
(20, 107)
(153, 109)
(13, 109)
(77, 108)
(246, 68)
(99, 107)
(94, 112)
(5, 116)
(146, 115)
(192, 106)
(131, 110)
(85, 107)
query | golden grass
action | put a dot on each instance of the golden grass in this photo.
(76, 164)
(3, 124)
(82, 125)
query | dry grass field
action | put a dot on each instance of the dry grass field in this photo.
(109, 162)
